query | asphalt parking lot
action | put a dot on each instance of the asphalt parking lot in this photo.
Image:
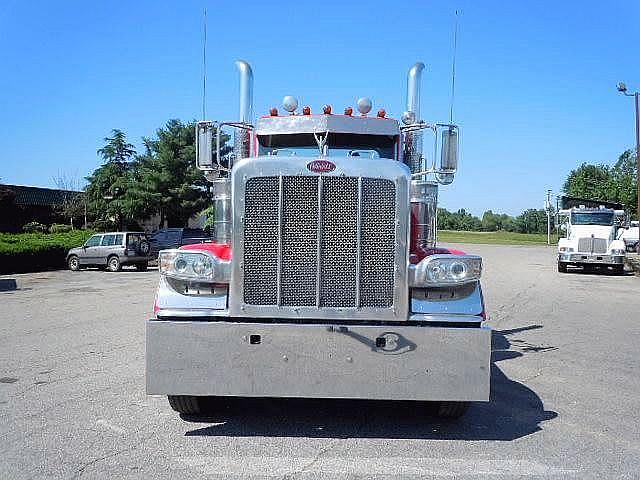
(565, 391)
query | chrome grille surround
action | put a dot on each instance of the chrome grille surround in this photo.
(332, 278)
(592, 245)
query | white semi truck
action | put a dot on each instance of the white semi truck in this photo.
(324, 279)
(591, 239)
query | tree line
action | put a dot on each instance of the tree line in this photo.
(529, 221)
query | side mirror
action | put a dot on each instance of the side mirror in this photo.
(449, 150)
(204, 145)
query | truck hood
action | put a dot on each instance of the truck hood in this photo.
(598, 231)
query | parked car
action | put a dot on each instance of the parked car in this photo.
(175, 238)
(630, 236)
(111, 250)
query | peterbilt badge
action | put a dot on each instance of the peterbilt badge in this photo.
(321, 166)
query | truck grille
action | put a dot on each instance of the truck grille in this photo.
(319, 241)
(592, 245)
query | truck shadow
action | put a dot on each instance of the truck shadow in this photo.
(513, 412)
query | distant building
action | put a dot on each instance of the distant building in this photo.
(20, 205)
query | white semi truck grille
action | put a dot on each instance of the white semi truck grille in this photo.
(312, 241)
(592, 245)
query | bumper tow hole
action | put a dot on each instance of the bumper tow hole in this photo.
(254, 339)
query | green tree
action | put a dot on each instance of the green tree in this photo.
(491, 222)
(625, 175)
(110, 183)
(593, 182)
(460, 220)
(165, 179)
(532, 221)
(116, 148)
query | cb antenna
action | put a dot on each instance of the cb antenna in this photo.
(453, 67)
(204, 65)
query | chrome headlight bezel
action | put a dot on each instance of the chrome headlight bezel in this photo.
(618, 251)
(445, 270)
(194, 265)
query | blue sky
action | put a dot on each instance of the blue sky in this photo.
(535, 80)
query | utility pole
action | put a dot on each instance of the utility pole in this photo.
(547, 207)
(622, 88)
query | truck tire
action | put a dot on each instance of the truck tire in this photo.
(618, 269)
(141, 267)
(113, 264)
(187, 404)
(562, 267)
(452, 410)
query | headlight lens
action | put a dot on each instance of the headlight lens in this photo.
(446, 270)
(193, 265)
(617, 251)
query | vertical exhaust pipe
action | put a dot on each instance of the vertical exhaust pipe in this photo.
(246, 91)
(414, 79)
(413, 140)
(242, 137)
(424, 193)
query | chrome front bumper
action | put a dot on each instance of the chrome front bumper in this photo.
(314, 360)
(591, 258)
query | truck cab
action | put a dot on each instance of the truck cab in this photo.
(591, 239)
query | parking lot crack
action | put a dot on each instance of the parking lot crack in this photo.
(82, 469)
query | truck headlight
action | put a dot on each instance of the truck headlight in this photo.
(194, 266)
(565, 249)
(618, 251)
(445, 270)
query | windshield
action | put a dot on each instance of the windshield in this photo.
(339, 145)
(592, 218)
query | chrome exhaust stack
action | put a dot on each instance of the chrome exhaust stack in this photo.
(413, 140)
(414, 79)
(246, 91)
(424, 193)
(242, 137)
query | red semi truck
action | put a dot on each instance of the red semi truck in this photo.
(324, 279)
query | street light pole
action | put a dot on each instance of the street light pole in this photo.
(548, 209)
(622, 88)
(637, 96)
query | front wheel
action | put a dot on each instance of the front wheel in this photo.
(141, 267)
(562, 267)
(187, 404)
(113, 264)
(452, 410)
(618, 269)
(73, 263)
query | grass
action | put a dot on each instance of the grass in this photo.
(497, 238)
